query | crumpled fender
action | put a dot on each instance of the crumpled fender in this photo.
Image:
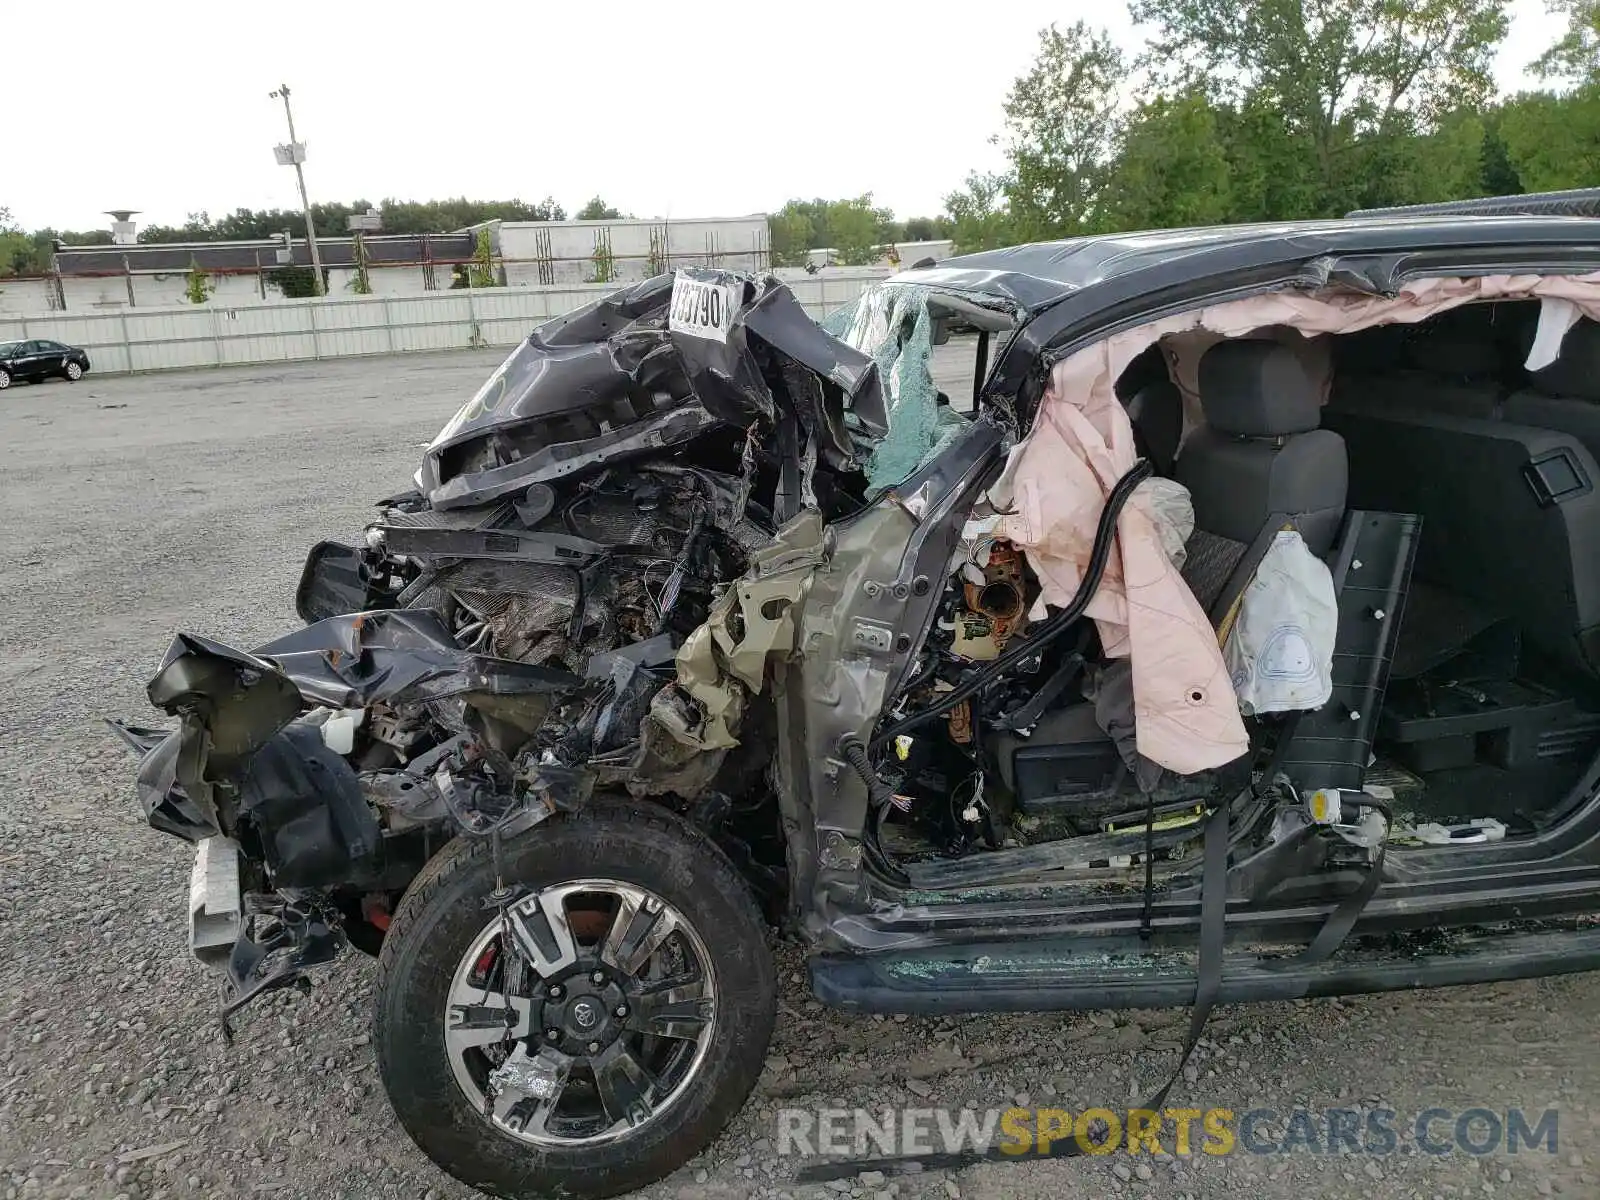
(751, 623)
(232, 702)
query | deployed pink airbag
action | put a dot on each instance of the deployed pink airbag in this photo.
(1081, 443)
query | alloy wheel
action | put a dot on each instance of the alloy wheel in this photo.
(581, 1016)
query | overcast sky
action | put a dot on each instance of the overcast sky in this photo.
(706, 109)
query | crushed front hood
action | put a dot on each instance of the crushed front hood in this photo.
(617, 377)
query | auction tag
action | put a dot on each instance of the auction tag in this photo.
(704, 308)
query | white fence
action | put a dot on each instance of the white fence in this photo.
(212, 335)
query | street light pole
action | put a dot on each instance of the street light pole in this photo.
(300, 175)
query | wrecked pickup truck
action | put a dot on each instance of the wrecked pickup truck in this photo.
(1242, 641)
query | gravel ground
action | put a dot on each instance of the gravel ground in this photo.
(134, 507)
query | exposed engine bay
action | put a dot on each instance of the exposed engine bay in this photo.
(601, 561)
(502, 643)
(1132, 687)
(650, 558)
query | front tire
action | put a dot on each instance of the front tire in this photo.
(73, 372)
(618, 1039)
(5, 379)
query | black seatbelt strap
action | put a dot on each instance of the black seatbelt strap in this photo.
(1213, 927)
(1213, 916)
(1208, 972)
(1340, 921)
(1027, 714)
(1213, 936)
(1214, 906)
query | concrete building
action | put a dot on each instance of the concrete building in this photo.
(624, 250)
(156, 275)
(30, 295)
(898, 254)
(115, 278)
(911, 253)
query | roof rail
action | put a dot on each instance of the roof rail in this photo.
(1578, 202)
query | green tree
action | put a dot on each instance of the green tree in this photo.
(791, 233)
(16, 248)
(295, 283)
(361, 282)
(1499, 174)
(1171, 167)
(23, 253)
(16, 253)
(603, 261)
(598, 210)
(330, 220)
(1271, 175)
(1444, 163)
(852, 227)
(857, 230)
(1338, 71)
(197, 284)
(481, 272)
(977, 214)
(1061, 129)
(1575, 58)
(925, 229)
(1553, 141)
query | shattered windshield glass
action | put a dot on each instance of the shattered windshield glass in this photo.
(895, 324)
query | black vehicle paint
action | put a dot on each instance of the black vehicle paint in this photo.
(36, 359)
(1069, 294)
(866, 586)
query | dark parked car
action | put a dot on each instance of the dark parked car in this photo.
(694, 621)
(37, 359)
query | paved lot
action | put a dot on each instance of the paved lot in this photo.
(133, 507)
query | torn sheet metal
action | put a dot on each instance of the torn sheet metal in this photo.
(869, 599)
(623, 377)
(234, 702)
(520, 521)
(729, 379)
(750, 624)
(557, 460)
(575, 362)
(399, 656)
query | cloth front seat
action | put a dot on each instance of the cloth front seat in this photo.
(1156, 411)
(1260, 457)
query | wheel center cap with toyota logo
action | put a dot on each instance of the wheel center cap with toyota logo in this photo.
(588, 1018)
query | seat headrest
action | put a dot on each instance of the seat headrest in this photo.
(1252, 387)
(1156, 413)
